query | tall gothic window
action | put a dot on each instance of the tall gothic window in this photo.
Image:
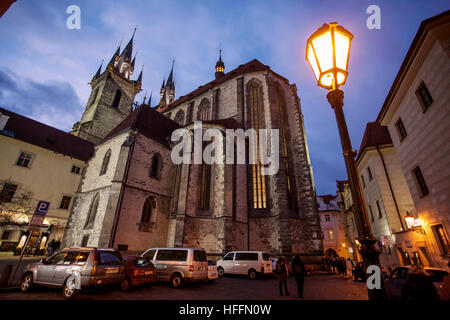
(256, 121)
(155, 168)
(148, 210)
(92, 212)
(117, 97)
(105, 162)
(284, 125)
(204, 110)
(179, 117)
(205, 179)
(94, 96)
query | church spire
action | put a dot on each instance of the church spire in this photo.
(170, 83)
(220, 66)
(114, 58)
(127, 52)
(97, 74)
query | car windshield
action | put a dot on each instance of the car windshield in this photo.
(199, 255)
(142, 262)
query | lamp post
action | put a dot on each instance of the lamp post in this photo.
(327, 51)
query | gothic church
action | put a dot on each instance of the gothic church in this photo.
(133, 197)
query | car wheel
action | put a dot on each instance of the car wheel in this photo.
(69, 289)
(220, 271)
(27, 282)
(125, 285)
(252, 274)
(176, 281)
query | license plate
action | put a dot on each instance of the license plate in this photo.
(148, 272)
(115, 270)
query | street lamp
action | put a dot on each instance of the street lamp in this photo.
(409, 220)
(327, 51)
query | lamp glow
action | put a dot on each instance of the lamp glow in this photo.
(409, 220)
(327, 51)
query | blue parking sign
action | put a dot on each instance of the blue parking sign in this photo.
(42, 208)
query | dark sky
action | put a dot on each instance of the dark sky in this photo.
(45, 67)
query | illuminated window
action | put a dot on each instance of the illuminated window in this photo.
(441, 238)
(204, 110)
(24, 160)
(92, 212)
(330, 234)
(105, 162)
(256, 122)
(179, 117)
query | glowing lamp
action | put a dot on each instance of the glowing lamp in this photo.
(327, 51)
(409, 220)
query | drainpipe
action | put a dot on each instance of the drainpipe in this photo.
(122, 192)
(390, 188)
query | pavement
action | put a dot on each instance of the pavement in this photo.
(319, 286)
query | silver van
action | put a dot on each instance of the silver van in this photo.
(74, 269)
(179, 265)
(249, 263)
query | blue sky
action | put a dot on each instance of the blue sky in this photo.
(45, 67)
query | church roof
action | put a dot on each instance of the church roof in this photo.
(251, 66)
(374, 135)
(42, 135)
(149, 123)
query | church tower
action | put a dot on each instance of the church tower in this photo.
(220, 66)
(167, 92)
(112, 96)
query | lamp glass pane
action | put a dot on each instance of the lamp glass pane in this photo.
(340, 77)
(313, 62)
(327, 79)
(324, 50)
(342, 43)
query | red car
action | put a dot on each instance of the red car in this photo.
(138, 270)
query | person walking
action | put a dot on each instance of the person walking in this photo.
(298, 268)
(349, 265)
(418, 285)
(282, 275)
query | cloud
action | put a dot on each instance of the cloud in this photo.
(52, 102)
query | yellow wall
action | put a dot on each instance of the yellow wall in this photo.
(49, 176)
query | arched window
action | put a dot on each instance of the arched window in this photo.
(148, 210)
(92, 212)
(117, 97)
(204, 110)
(255, 120)
(105, 162)
(205, 180)
(179, 117)
(94, 96)
(156, 166)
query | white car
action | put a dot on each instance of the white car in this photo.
(212, 271)
(250, 263)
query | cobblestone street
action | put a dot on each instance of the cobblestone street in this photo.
(317, 287)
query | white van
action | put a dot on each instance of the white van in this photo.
(250, 263)
(179, 265)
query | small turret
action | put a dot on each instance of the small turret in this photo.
(220, 66)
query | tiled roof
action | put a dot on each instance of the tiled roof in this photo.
(148, 122)
(374, 135)
(42, 135)
(251, 66)
(327, 198)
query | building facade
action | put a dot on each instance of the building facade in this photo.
(38, 163)
(417, 115)
(219, 207)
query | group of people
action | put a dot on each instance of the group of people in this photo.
(341, 266)
(52, 246)
(282, 273)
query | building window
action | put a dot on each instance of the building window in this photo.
(424, 96)
(105, 162)
(76, 169)
(116, 100)
(24, 160)
(92, 212)
(379, 209)
(179, 117)
(422, 186)
(401, 129)
(155, 168)
(94, 96)
(148, 213)
(205, 180)
(65, 202)
(441, 238)
(85, 240)
(363, 181)
(370, 173)
(8, 192)
(204, 110)
(327, 217)
(330, 234)
(256, 121)
(371, 214)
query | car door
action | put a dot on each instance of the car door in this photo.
(63, 268)
(162, 264)
(46, 270)
(227, 262)
(240, 263)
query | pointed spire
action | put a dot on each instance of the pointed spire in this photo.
(139, 79)
(99, 71)
(170, 83)
(127, 52)
(113, 58)
(220, 66)
(150, 99)
(145, 97)
(163, 83)
(133, 62)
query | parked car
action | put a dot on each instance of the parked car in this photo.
(250, 263)
(179, 265)
(212, 271)
(74, 269)
(398, 276)
(138, 270)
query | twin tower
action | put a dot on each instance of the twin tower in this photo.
(113, 93)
